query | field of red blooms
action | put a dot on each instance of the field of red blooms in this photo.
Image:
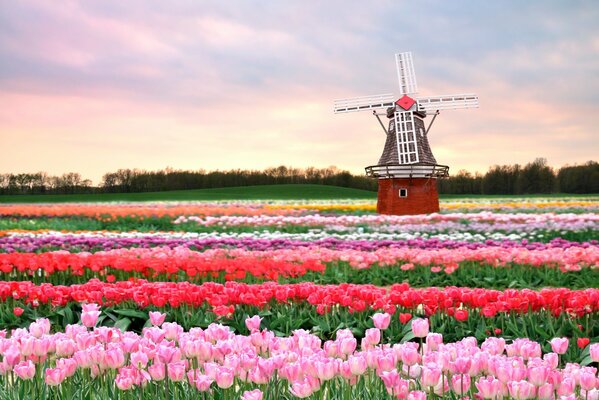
(284, 300)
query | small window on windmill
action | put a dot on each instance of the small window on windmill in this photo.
(403, 192)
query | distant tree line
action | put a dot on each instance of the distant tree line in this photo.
(42, 183)
(127, 180)
(533, 178)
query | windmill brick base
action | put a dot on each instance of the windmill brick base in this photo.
(407, 196)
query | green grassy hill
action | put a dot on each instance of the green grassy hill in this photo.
(274, 192)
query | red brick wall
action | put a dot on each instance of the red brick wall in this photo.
(423, 197)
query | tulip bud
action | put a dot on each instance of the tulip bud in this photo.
(420, 327)
(381, 321)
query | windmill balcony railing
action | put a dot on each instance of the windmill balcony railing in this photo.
(407, 171)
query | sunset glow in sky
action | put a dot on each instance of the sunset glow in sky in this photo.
(94, 86)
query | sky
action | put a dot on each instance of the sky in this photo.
(94, 86)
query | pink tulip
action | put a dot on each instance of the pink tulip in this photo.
(594, 352)
(166, 353)
(545, 392)
(157, 371)
(460, 383)
(566, 387)
(420, 327)
(253, 323)
(25, 370)
(139, 359)
(41, 346)
(433, 340)
(386, 362)
(154, 333)
(87, 307)
(488, 387)
(587, 380)
(538, 375)
(68, 366)
(559, 345)
(301, 389)
(54, 376)
(157, 318)
(357, 364)
(114, 358)
(409, 355)
(390, 379)
(203, 382)
(37, 329)
(325, 370)
(348, 345)
(255, 394)
(27, 345)
(123, 382)
(176, 371)
(224, 378)
(172, 330)
(89, 318)
(592, 394)
(462, 365)
(551, 359)
(521, 390)
(65, 347)
(417, 395)
(381, 320)
(431, 375)
(12, 356)
(372, 336)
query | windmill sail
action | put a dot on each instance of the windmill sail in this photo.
(364, 103)
(448, 102)
(405, 73)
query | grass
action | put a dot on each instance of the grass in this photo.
(261, 192)
(271, 192)
(556, 196)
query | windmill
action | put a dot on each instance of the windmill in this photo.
(407, 171)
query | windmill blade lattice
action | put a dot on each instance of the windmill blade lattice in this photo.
(363, 103)
(447, 102)
(405, 73)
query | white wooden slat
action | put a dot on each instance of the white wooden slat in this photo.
(364, 103)
(447, 102)
(405, 73)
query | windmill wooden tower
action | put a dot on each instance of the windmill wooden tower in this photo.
(407, 171)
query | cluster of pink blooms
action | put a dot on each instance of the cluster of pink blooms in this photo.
(216, 357)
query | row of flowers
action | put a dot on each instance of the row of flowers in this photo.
(168, 360)
(223, 298)
(465, 220)
(270, 264)
(275, 207)
(19, 241)
(142, 210)
(357, 233)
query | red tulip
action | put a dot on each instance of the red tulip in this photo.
(404, 318)
(461, 315)
(583, 342)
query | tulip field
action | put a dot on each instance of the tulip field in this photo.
(488, 299)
